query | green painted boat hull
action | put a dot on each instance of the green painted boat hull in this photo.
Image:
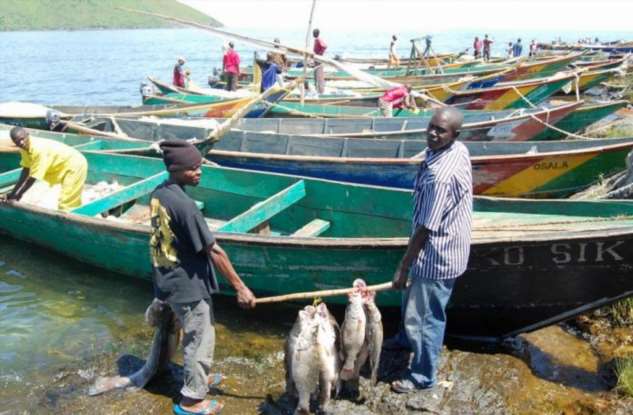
(514, 282)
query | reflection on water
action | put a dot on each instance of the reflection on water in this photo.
(54, 311)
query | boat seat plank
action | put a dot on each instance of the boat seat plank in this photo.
(266, 209)
(127, 194)
(10, 177)
(313, 228)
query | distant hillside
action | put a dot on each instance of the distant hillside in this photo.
(92, 14)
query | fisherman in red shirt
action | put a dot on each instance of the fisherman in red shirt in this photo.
(231, 67)
(397, 97)
(179, 73)
(319, 49)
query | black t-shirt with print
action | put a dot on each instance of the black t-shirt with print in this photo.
(183, 271)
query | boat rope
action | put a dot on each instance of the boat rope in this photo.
(523, 97)
(560, 130)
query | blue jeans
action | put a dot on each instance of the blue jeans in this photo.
(424, 324)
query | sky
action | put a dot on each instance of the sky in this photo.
(423, 15)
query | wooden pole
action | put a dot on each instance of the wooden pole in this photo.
(323, 293)
(205, 145)
(305, 55)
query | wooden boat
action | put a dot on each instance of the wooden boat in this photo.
(510, 125)
(39, 119)
(521, 94)
(591, 78)
(361, 97)
(613, 47)
(579, 119)
(532, 263)
(535, 170)
(432, 60)
(540, 68)
(406, 72)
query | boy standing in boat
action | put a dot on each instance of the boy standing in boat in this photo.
(179, 73)
(439, 246)
(319, 73)
(231, 67)
(394, 58)
(52, 162)
(184, 253)
(487, 46)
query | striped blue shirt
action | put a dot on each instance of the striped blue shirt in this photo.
(443, 203)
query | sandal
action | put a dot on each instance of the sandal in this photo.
(214, 407)
(408, 384)
(215, 380)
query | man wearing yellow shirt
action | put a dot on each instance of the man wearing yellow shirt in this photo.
(53, 162)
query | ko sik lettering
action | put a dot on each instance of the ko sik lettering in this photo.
(558, 254)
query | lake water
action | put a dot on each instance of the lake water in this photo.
(107, 66)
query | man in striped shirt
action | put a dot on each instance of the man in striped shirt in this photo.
(438, 248)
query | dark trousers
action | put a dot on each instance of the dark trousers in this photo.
(231, 81)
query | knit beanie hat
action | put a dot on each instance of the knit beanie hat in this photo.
(180, 155)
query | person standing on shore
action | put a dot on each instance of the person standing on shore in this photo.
(179, 73)
(487, 46)
(319, 73)
(183, 253)
(439, 246)
(231, 67)
(394, 59)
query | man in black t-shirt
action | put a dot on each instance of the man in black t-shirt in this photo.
(184, 253)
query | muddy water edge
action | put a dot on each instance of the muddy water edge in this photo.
(64, 324)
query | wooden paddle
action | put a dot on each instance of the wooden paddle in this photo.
(323, 293)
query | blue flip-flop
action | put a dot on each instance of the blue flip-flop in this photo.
(214, 407)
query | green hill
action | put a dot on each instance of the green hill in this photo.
(92, 14)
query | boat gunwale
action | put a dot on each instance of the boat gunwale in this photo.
(394, 160)
(348, 242)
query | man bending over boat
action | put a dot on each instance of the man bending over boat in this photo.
(438, 248)
(184, 253)
(398, 97)
(53, 162)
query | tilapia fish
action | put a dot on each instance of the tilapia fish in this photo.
(327, 341)
(373, 335)
(164, 345)
(304, 318)
(302, 356)
(353, 331)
